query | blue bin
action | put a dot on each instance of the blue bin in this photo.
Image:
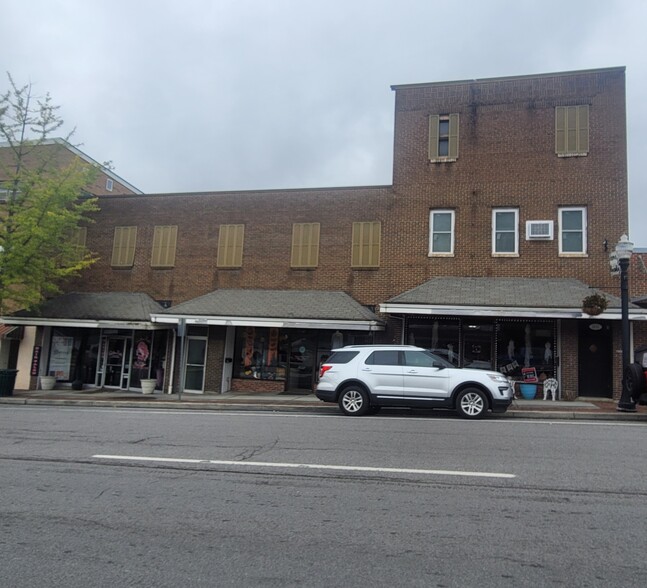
(528, 391)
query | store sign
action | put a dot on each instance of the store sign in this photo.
(35, 360)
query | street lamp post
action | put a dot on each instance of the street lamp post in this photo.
(624, 249)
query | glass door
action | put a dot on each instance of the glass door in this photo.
(196, 356)
(302, 362)
(117, 362)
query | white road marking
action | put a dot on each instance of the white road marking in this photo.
(311, 466)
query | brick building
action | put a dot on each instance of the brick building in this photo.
(507, 196)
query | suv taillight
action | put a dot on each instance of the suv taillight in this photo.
(323, 370)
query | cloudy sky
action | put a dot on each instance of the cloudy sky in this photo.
(197, 95)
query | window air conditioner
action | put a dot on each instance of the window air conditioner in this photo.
(539, 230)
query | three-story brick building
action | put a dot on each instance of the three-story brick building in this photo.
(507, 195)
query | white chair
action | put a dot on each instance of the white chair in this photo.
(550, 386)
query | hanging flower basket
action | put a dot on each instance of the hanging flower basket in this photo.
(594, 304)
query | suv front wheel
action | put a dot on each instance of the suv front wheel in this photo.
(471, 403)
(353, 401)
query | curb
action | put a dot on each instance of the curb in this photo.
(319, 408)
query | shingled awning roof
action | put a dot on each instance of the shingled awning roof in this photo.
(527, 297)
(282, 308)
(92, 309)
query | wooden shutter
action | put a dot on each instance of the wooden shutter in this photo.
(453, 136)
(164, 246)
(366, 244)
(230, 245)
(78, 240)
(434, 123)
(583, 129)
(123, 248)
(572, 129)
(560, 130)
(305, 245)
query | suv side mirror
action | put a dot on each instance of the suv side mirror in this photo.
(440, 366)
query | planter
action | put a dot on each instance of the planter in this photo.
(528, 391)
(47, 382)
(592, 310)
(148, 385)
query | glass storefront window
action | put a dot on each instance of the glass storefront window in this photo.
(261, 353)
(439, 336)
(524, 344)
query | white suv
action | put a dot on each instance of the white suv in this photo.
(362, 378)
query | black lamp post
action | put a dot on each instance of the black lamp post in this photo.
(624, 249)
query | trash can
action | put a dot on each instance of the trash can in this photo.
(7, 382)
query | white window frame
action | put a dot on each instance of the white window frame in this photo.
(109, 184)
(514, 253)
(432, 213)
(584, 252)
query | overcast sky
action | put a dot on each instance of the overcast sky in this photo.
(197, 95)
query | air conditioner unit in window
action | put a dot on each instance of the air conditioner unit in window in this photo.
(539, 230)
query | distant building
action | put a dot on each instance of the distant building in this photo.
(507, 196)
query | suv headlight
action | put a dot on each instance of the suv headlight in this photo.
(498, 378)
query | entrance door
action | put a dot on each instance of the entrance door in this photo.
(301, 366)
(117, 362)
(196, 356)
(477, 345)
(595, 375)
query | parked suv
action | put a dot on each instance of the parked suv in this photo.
(363, 378)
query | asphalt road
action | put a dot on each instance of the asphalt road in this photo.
(126, 497)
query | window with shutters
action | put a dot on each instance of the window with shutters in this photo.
(78, 241)
(443, 137)
(164, 244)
(230, 246)
(366, 244)
(123, 247)
(441, 238)
(572, 231)
(572, 130)
(505, 231)
(305, 245)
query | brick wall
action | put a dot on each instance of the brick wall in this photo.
(506, 159)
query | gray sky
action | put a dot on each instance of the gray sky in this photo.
(197, 95)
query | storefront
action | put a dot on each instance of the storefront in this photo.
(98, 340)
(517, 326)
(263, 340)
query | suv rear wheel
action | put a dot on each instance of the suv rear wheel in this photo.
(353, 401)
(471, 403)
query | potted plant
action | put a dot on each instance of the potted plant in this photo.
(594, 304)
(148, 385)
(47, 382)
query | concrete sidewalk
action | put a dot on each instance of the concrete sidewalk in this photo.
(583, 408)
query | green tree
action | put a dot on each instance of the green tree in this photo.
(44, 203)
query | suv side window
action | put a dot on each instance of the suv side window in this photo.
(418, 359)
(383, 358)
(341, 356)
(425, 359)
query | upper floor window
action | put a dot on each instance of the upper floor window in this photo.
(443, 137)
(230, 245)
(505, 231)
(572, 230)
(305, 245)
(572, 130)
(123, 247)
(109, 184)
(441, 239)
(164, 244)
(366, 244)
